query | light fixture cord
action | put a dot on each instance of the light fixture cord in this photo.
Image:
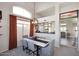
(34, 10)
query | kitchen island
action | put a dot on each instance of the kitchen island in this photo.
(48, 50)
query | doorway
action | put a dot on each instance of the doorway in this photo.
(12, 32)
(22, 30)
(69, 29)
(18, 29)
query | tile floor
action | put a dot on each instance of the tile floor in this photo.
(62, 51)
(15, 52)
(66, 51)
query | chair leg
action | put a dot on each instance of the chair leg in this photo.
(34, 54)
(23, 48)
(31, 52)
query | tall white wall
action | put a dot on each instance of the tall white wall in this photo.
(4, 39)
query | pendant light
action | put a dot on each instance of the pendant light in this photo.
(34, 17)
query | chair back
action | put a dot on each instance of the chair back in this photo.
(31, 45)
(24, 42)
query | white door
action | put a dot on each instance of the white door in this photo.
(26, 28)
(19, 35)
(69, 30)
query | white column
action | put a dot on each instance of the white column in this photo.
(57, 28)
(78, 27)
(78, 30)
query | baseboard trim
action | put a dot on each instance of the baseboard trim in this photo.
(4, 51)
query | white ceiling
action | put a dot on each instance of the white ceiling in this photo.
(42, 8)
(46, 12)
(26, 5)
(45, 9)
(48, 8)
(66, 4)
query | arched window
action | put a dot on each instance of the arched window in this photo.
(21, 12)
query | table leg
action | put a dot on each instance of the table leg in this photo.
(37, 50)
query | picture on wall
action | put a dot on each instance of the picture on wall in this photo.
(0, 14)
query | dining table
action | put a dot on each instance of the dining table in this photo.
(38, 43)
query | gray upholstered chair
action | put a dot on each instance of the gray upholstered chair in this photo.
(24, 44)
(31, 47)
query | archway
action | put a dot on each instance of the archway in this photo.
(21, 12)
